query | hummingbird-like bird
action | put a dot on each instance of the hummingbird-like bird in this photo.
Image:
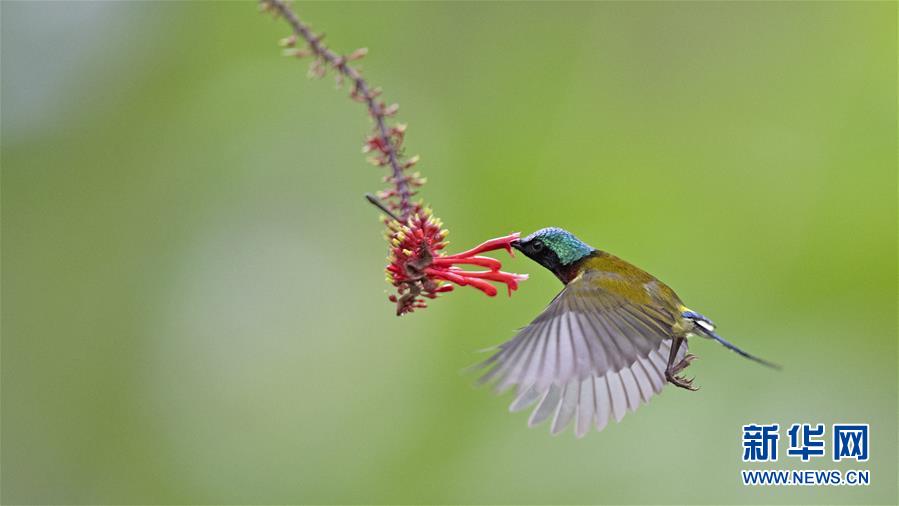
(609, 341)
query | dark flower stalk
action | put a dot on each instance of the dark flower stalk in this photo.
(418, 268)
(386, 141)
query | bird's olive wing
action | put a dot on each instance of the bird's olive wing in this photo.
(591, 354)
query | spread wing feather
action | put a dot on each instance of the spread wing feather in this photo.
(591, 355)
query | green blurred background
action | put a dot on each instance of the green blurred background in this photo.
(194, 308)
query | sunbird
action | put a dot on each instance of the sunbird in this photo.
(609, 341)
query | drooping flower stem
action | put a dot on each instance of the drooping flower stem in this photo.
(418, 268)
(385, 138)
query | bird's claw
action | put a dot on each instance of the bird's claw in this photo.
(680, 381)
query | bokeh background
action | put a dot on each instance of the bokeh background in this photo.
(194, 308)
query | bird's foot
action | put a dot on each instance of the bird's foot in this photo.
(680, 381)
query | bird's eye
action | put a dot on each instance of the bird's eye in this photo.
(537, 246)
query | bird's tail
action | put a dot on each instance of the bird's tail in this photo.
(706, 326)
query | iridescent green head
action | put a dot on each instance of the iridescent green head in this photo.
(554, 248)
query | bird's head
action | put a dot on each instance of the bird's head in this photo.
(556, 249)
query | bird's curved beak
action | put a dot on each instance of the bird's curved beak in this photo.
(516, 244)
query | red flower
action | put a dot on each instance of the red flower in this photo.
(419, 270)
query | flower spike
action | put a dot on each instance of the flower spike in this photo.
(416, 267)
